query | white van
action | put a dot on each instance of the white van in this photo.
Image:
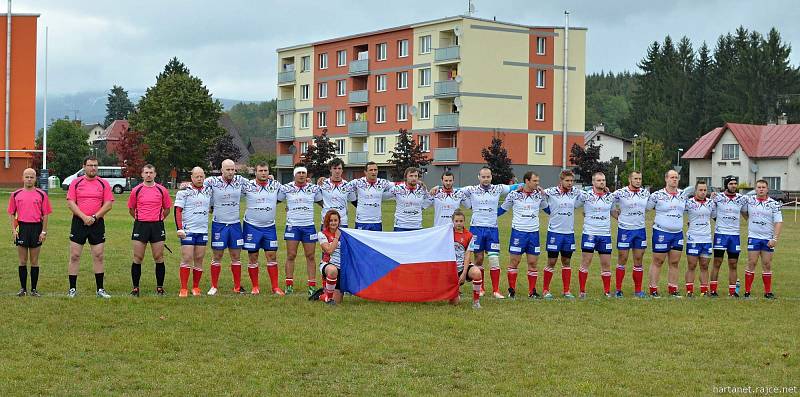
(113, 175)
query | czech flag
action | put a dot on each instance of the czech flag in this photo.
(414, 266)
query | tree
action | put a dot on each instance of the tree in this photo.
(259, 158)
(497, 160)
(319, 153)
(104, 157)
(586, 161)
(652, 162)
(179, 120)
(174, 66)
(255, 119)
(223, 149)
(66, 148)
(131, 152)
(118, 107)
(406, 153)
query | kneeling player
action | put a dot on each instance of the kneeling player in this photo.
(763, 228)
(28, 209)
(191, 218)
(463, 249)
(331, 258)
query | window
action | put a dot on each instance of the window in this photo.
(109, 172)
(773, 182)
(285, 120)
(341, 58)
(540, 78)
(425, 77)
(340, 118)
(380, 145)
(538, 144)
(424, 110)
(304, 121)
(303, 147)
(304, 91)
(322, 119)
(425, 44)
(381, 50)
(380, 83)
(323, 60)
(541, 44)
(402, 80)
(402, 112)
(730, 151)
(424, 143)
(341, 87)
(323, 90)
(305, 63)
(706, 179)
(539, 112)
(402, 48)
(339, 146)
(380, 114)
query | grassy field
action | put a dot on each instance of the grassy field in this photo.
(246, 345)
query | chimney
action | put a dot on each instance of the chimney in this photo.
(782, 119)
(600, 127)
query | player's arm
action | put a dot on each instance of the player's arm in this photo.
(14, 224)
(651, 202)
(328, 247)
(507, 204)
(104, 209)
(166, 204)
(43, 234)
(73, 207)
(776, 232)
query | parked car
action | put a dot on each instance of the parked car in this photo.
(777, 195)
(113, 175)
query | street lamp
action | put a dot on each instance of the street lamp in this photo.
(680, 150)
(634, 150)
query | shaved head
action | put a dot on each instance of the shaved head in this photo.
(228, 163)
(29, 171)
(198, 170)
(29, 178)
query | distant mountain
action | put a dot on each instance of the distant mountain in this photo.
(90, 106)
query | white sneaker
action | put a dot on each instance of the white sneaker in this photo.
(212, 291)
(72, 293)
(476, 305)
(498, 295)
(101, 293)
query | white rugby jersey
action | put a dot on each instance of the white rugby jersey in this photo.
(699, 214)
(632, 205)
(369, 196)
(335, 196)
(762, 217)
(526, 208)
(225, 197)
(445, 203)
(410, 203)
(261, 202)
(484, 203)
(729, 212)
(195, 204)
(562, 209)
(669, 210)
(597, 213)
(300, 203)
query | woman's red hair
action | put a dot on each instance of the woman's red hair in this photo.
(327, 220)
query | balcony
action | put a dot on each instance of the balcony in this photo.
(447, 54)
(286, 78)
(285, 134)
(361, 96)
(357, 158)
(286, 105)
(357, 128)
(447, 88)
(445, 154)
(445, 121)
(285, 160)
(359, 67)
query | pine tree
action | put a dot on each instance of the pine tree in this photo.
(406, 153)
(174, 66)
(318, 154)
(118, 107)
(496, 157)
(702, 92)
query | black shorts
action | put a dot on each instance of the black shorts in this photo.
(338, 278)
(79, 233)
(29, 234)
(467, 277)
(148, 232)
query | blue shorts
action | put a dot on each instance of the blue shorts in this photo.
(226, 236)
(727, 242)
(195, 239)
(524, 243)
(306, 234)
(757, 244)
(484, 239)
(591, 243)
(666, 241)
(699, 249)
(559, 242)
(631, 239)
(257, 238)
(375, 227)
(403, 229)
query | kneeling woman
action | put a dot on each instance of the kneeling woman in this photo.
(329, 240)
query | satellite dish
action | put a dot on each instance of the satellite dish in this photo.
(292, 149)
(413, 110)
(754, 168)
(459, 79)
(457, 102)
(457, 31)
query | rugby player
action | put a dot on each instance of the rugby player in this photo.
(763, 229)
(192, 204)
(28, 210)
(699, 211)
(730, 206)
(471, 272)
(597, 206)
(667, 240)
(562, 201)
(331, 257)
(446, 200)
(631, 202)
(412, 198)
(262, 195)
(369, 194)
(300, 198)
(336, 192)
(148, 204)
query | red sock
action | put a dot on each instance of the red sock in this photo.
(767, 278)
(512, 278)
(748, 280)
(583, 275)
(289, 282)
(620, 276)
(236, 270)
(689, 288)
(703, 288)
(483, 277)
(548, 275)
(312, 283)
(713, 287)
(731, 289)
(606, 276)
(566, 277)
(272, 270)
(252, 270)
(638, 275)
(532, 275)
(215, 269)
(653, 289)
(184, 276)
(672, 289)
(476, 290)
(495, 275)
(330, 285)
(197, 274)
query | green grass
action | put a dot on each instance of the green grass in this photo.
(244, 345)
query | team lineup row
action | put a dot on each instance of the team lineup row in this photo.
(89, 198)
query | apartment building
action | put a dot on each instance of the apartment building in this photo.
(454, 83)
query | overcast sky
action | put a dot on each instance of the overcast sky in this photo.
(231, 44)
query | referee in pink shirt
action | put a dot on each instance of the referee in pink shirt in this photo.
(28, 209)
(148, 204)
(89, 197)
